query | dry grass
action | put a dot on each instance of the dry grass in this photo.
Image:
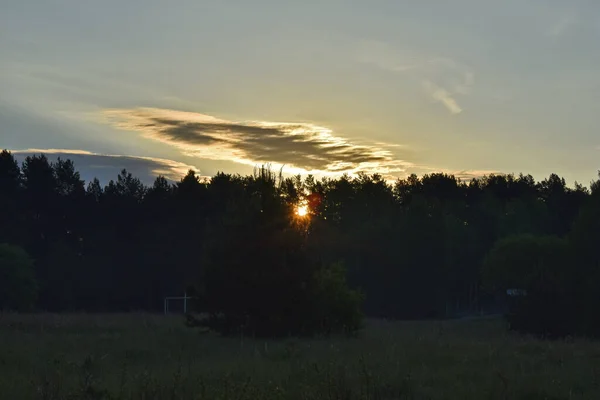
(141, 356)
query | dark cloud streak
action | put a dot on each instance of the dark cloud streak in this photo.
(107, 167)
(304, 147)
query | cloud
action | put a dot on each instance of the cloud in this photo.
(561, 26)
(464, 175)
(443, 96)
(107, 167)
(444, 77)
(300, 147)
(467, 175)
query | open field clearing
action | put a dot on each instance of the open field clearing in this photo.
(142, 356)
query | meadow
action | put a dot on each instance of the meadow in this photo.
(144, 356)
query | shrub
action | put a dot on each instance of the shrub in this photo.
(259, 277)
(18, 287)
(274, 299)
(335, 307)
(539, 266)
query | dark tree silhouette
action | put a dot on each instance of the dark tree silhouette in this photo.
(421, 247)
(18, 286)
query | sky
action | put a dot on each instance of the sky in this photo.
(395, 87)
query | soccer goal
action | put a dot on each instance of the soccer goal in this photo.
(177, 303)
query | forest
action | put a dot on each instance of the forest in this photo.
(277, 255)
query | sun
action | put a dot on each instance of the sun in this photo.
(302, 211)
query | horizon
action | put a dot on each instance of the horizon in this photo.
(103, 168)
(320, 88)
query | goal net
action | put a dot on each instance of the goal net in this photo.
(178, 304)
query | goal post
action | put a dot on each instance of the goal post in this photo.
(185, 299)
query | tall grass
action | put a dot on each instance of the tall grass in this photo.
(141, 356)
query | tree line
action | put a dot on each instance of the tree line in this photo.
(420, 247)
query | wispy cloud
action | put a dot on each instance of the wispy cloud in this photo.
(444, 77)
(561, 26)
(443, 96)
(299, 147)
(106, 167)
(467, 175)
(464, 175)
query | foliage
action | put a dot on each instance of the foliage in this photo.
(560, 276)
(527, 261)
(585, 269)
(536, 266)
(416, 248)
(259, 278)
(335, 306)
(18, 288)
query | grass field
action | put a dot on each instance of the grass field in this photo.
(140, 356)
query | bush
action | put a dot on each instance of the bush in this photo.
(18, 287)
(260, 279)
(335, 307)
(525, 261)
(561, 278)
(283, 294)
(537, 265)
(585, 269)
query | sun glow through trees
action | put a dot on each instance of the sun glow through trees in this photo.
(302, 210)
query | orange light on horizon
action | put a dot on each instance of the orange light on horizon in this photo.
(302, 211)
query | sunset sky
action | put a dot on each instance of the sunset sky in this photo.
(329, 86)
